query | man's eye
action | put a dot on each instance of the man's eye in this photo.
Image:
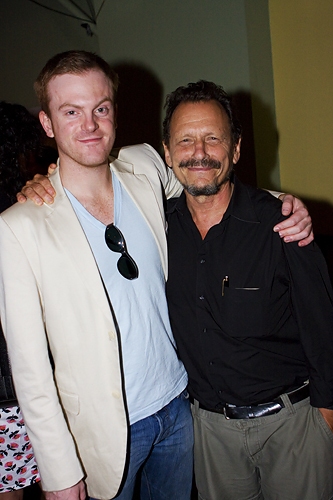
(102, 110)
(71, 112)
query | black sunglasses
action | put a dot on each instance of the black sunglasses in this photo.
(116, 242)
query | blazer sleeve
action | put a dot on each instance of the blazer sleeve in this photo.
(21, 309)
(171, 185)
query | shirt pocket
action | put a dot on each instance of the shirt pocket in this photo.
(245, 311)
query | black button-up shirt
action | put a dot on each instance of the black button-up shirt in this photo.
(251, 315)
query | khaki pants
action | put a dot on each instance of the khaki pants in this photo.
(286, 456)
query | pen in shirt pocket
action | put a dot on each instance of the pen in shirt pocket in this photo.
(225, 284)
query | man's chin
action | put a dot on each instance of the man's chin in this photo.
(208, 190)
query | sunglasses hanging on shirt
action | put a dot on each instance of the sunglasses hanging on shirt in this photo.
(116, 242)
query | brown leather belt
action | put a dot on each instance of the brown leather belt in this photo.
(261, 410)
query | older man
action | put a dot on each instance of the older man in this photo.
(252, 317)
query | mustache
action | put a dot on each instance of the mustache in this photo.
(205, 163)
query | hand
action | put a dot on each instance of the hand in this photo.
(328, 416)
(76, 492)
(39, 189)
(298, 227)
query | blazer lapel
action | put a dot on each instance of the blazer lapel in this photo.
(67, 229)
(147, 195)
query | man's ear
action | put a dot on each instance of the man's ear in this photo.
(237, 151)
(46, 123)
(167, 155)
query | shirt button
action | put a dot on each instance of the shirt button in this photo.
(202, 297)
(204, 330)
(202, 261)
(211, 363)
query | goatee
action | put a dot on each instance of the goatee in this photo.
(208, 189)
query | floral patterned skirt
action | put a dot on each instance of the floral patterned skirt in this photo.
(18, 467)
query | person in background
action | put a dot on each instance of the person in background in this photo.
(21, 150)
(25, 150)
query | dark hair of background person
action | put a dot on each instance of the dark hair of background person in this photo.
(201, 91)
(23, 151)
(73, 62)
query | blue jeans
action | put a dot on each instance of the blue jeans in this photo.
(161, 454)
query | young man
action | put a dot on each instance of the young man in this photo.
(252, 318)
(84, 280)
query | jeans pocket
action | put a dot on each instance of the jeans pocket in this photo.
(184, 395)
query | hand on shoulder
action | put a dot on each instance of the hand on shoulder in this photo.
(39, 189)
(298, 227)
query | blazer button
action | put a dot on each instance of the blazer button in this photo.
(116, 394)
(112, 335)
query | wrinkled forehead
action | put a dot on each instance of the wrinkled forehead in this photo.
(200, 114)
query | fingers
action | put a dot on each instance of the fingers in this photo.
(39, 190)
(76, 492)
(328, 416)
(292, 204)
(303, 237)
(51, 168)
(21, 198)
(298, 221)
(287, 204)
(83, 492)
(306, 241)
(297, 228)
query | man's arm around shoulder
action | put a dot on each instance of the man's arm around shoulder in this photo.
(145, 156)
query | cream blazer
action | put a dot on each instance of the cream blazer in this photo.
(52, 301)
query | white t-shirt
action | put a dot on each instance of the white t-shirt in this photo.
(153, 373)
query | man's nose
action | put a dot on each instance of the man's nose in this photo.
(200, 149)
(89, 123)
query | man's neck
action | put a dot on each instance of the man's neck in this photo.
(207, 211)
(92, 187)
